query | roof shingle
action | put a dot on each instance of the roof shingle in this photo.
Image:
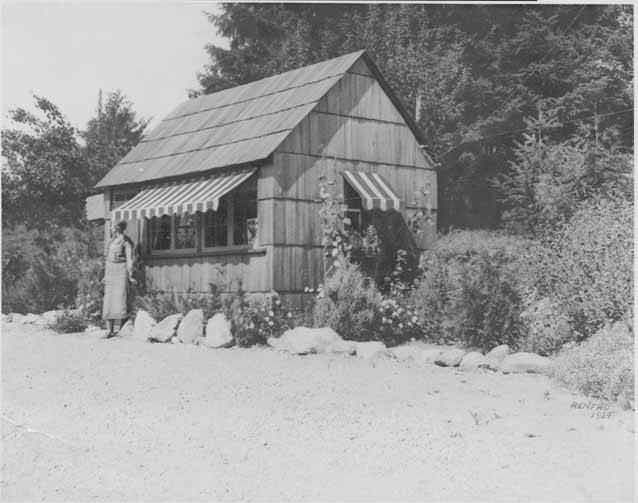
(235, 126)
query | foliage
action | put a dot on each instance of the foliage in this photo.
(110, 135)
(348, 302)
(587, 266)
(548, 181)
(41, 268)
(602, 366)
(487, 304)
(547, 328)
(473, 71)
(253, 323)
(70, 322)
(44, 179)
(470, 290)
(90, 289)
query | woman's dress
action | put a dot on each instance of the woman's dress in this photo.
(118, 269)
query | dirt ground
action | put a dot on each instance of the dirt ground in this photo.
(87, 419)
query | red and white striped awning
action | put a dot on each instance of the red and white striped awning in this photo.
(177, 198)
(373, 189)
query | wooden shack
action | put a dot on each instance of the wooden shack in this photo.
(225, 189)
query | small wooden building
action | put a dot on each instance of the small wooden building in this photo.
(225, 189)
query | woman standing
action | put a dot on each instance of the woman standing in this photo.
(118, 271)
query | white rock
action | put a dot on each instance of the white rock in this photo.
(519, 363)
(7, 318)
(218, 332)
(32, 319)
(406, 352)
(370, 349)
(17, 317)
(191, 329)
(304, 340)
(429, 355)
(496, 356)
(342, 346)
(165, 330)
(51, 317)
(473, 361)
(127, 330)
(143, 325)
(450, 358)
(92, 328)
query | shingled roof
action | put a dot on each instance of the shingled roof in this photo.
(236, 126)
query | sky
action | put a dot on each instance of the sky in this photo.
(68, 51)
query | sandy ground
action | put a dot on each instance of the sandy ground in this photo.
(87, 419)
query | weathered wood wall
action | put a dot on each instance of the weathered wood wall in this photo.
(355, 127)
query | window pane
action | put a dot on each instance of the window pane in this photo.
(161, 233)
(354, 206)
(245, 213)
(184, 231)
(216, 226)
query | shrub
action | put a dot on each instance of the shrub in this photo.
(470, 290)
(487, 305)
(348, 302)
(587, 267)
(41, 269)
(70, 322)
(547, 328)
(90, 289)
(602, 366)
(254, 322)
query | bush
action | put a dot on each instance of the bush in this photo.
(254, 323)
(348, 303)
(90, 289)
(547, 328)
(470, 290)
(602, 366)
(70, 322)
(587, 267)
(41, 269)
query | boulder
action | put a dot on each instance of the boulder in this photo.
(50, 318)
(32, 319)
(473, 361)
(450, 358)
(143, 325)
(127, 330)
(165, 330)
(17, 317)
(304, 340)
(218, 332)
(370, 349)
(406, 352)
(191, 329)
(519, 363)
(430, 355)
(342, 346)
(496, 356)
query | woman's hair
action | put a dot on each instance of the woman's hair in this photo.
(121, 226)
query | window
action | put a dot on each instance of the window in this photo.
(161, 233)
(184, 231)
(354, 207)
(244, 202)
(233, 224)
(216, 226)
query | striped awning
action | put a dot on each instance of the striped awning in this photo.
(178, 198)
(373, 189)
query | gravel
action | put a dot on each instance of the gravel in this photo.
(123, 420)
